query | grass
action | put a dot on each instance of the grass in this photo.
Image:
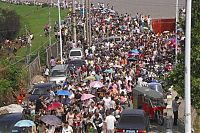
(34, 18)
(197, 122)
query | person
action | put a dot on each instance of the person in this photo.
(52, 62)
(46, 73)
(67, 128)
(175, 106)
(98, 122)
(39, 104)
(110, 123)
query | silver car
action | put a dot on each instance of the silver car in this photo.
(58, 74)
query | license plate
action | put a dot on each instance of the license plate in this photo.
(130, 131)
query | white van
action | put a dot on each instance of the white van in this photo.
(75, 53)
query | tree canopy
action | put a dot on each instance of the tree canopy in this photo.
(9, 24)
(176, 77)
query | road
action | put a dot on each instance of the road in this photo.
(154, 8)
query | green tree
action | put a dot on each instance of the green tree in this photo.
(9, 24)
(176, 77)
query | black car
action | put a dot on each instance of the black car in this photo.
(41, 89)
(73, 64)
(132, 121)
(8, 121)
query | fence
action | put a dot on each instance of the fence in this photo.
(52, 51)
(34, 68)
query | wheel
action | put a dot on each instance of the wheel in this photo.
(159, 118)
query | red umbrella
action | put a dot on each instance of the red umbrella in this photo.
(54, 105)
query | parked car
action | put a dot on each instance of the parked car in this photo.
(8, 121)
(133, 121)
(58, 74)
(41, 89)
(75, 53)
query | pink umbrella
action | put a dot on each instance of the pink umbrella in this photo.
(86, 96)
(96, 84)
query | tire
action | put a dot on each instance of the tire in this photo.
(159, 118)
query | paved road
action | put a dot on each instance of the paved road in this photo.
(155, 8)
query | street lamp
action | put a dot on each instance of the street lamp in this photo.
(60, 34)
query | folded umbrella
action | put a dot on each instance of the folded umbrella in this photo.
(51, 120)
(54, 105)
(63, 93)
(24, 123)
(86, 96)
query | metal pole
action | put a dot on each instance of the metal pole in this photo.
(187, 68)
(176, 47)
(86, 3)
(61, 58)
(90, 25)
(49, 25)
(74, 21)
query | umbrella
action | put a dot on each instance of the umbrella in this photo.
(54, 105)
(25, 123)
(117, 66)
(148, 92)
(135, 51)
(132, 59)
(90, 78)
(96, 84)
(51, 120)
(63, 93)
(109, 71)
(165, 32)
(86, 96)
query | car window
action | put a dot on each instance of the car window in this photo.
(75, 53)
(126, 119)
(40, 91)
(58, 73)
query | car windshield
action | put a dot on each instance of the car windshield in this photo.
(58, 73)
(156, 87)
(134, 119)
(77, 62)
(41, 91)
(75, 53)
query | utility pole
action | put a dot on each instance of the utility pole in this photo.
(74, 21)
(177, 19)
(90, 25)
(187, 115)
(86, 3)
(50, 23)
(60, 34)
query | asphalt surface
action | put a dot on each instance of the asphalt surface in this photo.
(154, 8)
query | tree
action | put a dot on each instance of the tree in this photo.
(9, 24)
(176, 77)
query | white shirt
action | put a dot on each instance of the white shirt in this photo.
(46, 72)
(67, 129)
(110, 121)
(107, 102)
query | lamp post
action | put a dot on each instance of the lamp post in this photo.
(187, 68)
(60, 34)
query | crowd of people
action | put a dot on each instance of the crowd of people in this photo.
(111, 72)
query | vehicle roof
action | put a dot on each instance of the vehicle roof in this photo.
(130, 111)
(75, 49)
(59, 67)
(42, 85)
(12, 117)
